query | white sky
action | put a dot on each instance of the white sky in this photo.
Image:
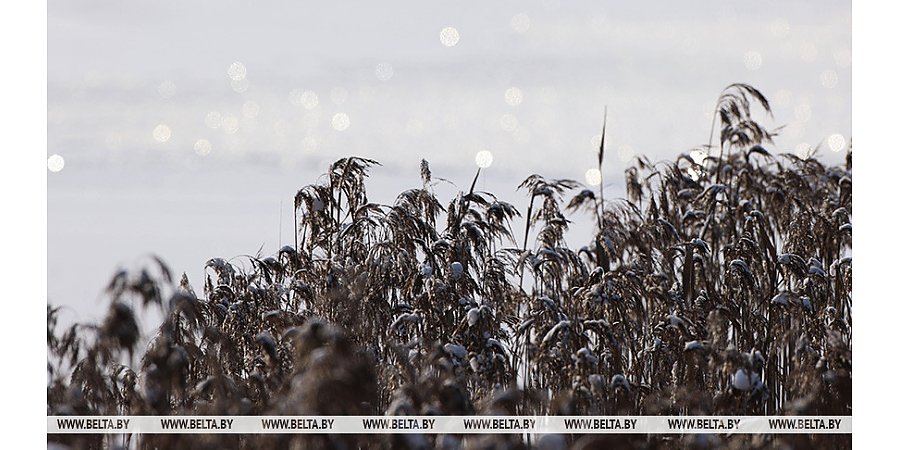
(119, 70)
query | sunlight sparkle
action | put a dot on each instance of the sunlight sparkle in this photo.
(484, 159)
(513, 96)
(162, 133)
(55, 163)
(449, 37)
(340, 121)
(593, 176)
(836, 142)
(202, 147)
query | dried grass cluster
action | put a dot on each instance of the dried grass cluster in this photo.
(721, 285)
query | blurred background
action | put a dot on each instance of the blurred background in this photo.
(183, 129)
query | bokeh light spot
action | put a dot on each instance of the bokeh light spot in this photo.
(55, 163)
(752, 60)
(842, 56)
(231, 124)
(508, 122)
(779, 28)
(484, 159)
(593, 176)
(803, 150)
(513, 96)
(213, 119)
(449, 37)
(237, 71)
(520, 23)
(162, 133)
(829, 79)
(836, 142)
(166, 89)
(384, 71)
(340, 121)
(202, 147)
(308, 99)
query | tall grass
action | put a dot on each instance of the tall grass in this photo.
(720, 285)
